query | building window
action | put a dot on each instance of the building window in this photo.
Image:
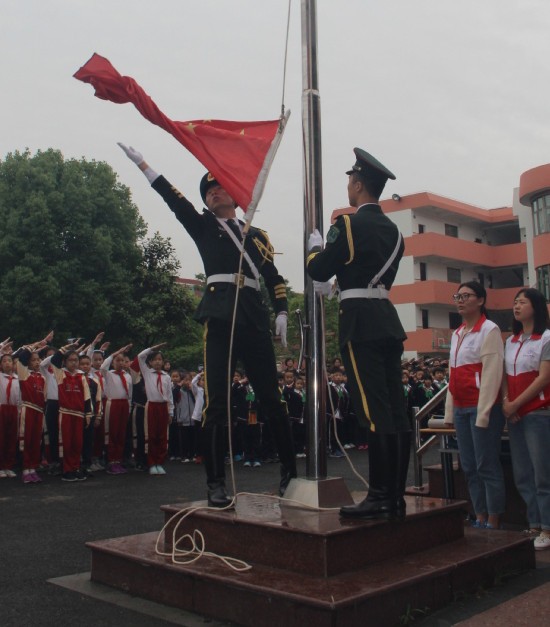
(421, 228)
(425, 318)
(423, 271)
(454, 275)
(543, 280)
(541, 214)
(451, 230)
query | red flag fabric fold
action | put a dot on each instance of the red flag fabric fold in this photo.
(238, 154)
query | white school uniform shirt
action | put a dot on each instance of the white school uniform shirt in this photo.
(158, 385)
(15, 392)
(47, 371)
(198, 392)
(112, 382)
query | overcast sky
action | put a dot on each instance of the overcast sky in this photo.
(453, 97)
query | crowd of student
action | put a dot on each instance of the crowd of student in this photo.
(75, 411)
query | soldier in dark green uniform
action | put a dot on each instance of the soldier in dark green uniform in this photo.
(218, 236)
(363, 250)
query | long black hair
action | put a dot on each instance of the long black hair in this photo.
(541, 320)
(479, 291)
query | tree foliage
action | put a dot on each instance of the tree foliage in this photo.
(161, 309)
(297, 301)
(75, 258)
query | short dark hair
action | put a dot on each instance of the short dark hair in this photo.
(374, 183)
(151, 356)
(541, 320)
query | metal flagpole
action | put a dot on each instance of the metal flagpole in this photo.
(316, 490)
(315, 411)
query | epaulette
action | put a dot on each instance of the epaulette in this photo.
(264, 247)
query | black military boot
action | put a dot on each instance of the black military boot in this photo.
(214, 457)
(380, 502)
(282, 436)
(217, 496)
(402, 470)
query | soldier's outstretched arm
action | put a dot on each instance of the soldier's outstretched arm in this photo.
(182, 208)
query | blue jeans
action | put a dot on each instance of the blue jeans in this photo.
(479, 451)
(530, 448)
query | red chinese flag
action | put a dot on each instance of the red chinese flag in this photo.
(238, 154)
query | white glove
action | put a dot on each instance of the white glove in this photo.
(138, 159)
(281, 323)
(323, 288)
(315, 240)
(132, 154)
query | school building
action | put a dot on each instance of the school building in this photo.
(448, 242)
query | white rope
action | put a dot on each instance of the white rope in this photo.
(196, 544)
(341, 447)
(285, 60)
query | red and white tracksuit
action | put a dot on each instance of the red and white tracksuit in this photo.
(158, 410)
(117, 385)
(10, 399)
(31, 421)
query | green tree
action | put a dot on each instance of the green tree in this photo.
(74, 256)
(297, 301)
(162, 310)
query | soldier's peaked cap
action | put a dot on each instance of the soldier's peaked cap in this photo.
(368, 166)
(207, 181)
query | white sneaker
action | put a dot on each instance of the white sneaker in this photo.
(3, 474)
(153, 470)
(160, 470)
(543, 541)
(10, 474)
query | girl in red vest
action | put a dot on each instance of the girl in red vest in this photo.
(476, 365)
(526, 396)
(9, 412)
(75, 408)
(33, 399)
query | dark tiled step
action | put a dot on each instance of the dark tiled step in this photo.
(379, 594)
(318, 543)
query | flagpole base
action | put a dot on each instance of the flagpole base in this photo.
(317, 493)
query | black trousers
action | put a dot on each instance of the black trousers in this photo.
(254, 348)
(374, 382)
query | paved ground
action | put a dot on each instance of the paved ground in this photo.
(44, 527)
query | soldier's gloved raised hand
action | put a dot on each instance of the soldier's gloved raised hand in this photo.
(138, 159)
(132, 154)
(323, 288)
(281, 322)
(315, 240)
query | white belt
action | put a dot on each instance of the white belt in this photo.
(366, 292)
(236, 279)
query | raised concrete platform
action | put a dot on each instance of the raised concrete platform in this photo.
(312, 568)
(317, 543)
